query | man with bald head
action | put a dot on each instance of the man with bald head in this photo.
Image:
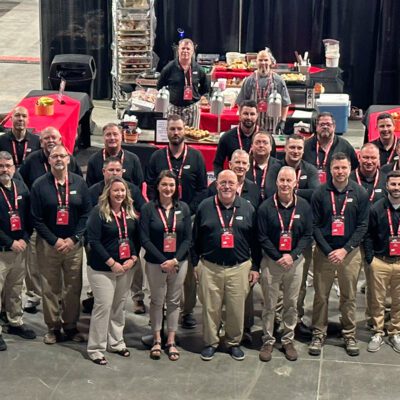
(18, 141)
(284, 232)
(224, 242)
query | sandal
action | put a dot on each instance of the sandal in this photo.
(123, 353)
(155, 352)
(172, 355)
(100, 361)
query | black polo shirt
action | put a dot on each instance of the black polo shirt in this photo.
(355, 216)
(386, 156)
(103, 238)
(31, 141)
(44, 204)
(207, 232)
(308, 179)
(376, 241)
(173, 76)
(379, 189)
(393, 166)
(97, 189)
(250, 192)
(7, 236)
(194, 175)
(37, 164)
(152, 232)
(269, 227)
(131, 163)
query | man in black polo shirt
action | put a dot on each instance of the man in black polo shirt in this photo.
(112, 136)
(382, 252)
(15, 231)
(319, 149)
(224, 240)
(284, 231)
(60, 206)
(18, 141)
(340, 208)
(387, 140)
(188, 165)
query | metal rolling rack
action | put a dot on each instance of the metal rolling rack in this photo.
(133, 38)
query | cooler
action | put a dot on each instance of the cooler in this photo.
(339, 106)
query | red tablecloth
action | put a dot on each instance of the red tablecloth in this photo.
(65, 118)
(373, 132)
(209, 121)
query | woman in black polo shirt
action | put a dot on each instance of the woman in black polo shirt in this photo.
(165, 231)
(114, 240)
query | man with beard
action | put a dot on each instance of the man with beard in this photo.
(382, 251)
(239, 137)
(19, 142)
(387, 141)
(189, 167)
(340, 209)
(15, 230)
(319, 149)
(260, 85)
(60, 206)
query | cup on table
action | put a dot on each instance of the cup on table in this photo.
(222, 84)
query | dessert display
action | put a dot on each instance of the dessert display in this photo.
(196, 134)
(293, 77)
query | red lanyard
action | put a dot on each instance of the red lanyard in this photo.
(221, 220)
(334, 204)
(188, 77)
(328, 149)
(15, 198)
(289, 229)
(164, 221)
(119, 226)
(392, 152)
(66, 192)
(371, 197)
(15, 151)
(122, 156)
(298, 178)
(261, 94)
(389, 214)
(183, 162)
(263, 176)
(239, 139)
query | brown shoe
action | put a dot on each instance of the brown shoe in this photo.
(290, 351)
(266, 352)
(139, 307)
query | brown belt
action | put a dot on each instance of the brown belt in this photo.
(389, 259)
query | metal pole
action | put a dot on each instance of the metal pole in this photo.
(240, 25)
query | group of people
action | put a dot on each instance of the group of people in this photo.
(263, 219)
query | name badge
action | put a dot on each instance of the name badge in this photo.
(338, 225)
(62, 217)
(378, 190)
(187, 93)
(124, 249)
(15, 221)
(239, 217)
(322, 176)
(169, 242)
(285, 241)
(394, 246)
(350, 200)
(72, 192)
(187, 166)
(303, 177)
(19, 197)
(262, 106)
(227, 240)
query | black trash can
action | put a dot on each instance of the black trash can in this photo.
(79, 71)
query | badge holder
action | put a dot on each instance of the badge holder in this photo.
(338, 225)
(188, 93)
(169, 242)
(124, 249)
(322, 176)
(227, 240)
(262, 106)
(15, 221)
(62, 216)
(285, 241)
(394, 246)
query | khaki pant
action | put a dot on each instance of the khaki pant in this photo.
(137, 281)
(272, 277)
(165, 288)
(218, 286)
(385, 279)
(61, 278)
(32, 278)
(308, 264)
(12, 273)
(107, 321)
(324, 275)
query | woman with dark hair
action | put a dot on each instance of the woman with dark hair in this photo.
(113, 235)
(165, 231)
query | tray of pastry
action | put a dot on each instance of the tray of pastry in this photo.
(294, 78)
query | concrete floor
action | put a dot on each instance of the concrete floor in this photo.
(33, 370)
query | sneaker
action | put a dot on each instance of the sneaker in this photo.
(394, 341)
(351, 346)
(266, 352)
(139, 307)
(73, 335)
(290, 351)
(31, 307)
(236, 353)
(3, 345)
(375, 343)
(22, 331)
(188, 321)
(52, 337)
(207, 353)
(314, 349)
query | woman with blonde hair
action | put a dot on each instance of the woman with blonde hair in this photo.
(112, 230)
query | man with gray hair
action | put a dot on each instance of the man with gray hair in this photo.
(14, 237)
(284, 231)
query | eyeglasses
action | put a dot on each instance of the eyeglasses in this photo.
(328, 124)
(7, 166)
(55, 156)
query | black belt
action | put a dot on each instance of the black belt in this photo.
(389, 259)
(225, 264)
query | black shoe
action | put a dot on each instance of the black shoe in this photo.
(139, 307)
(74, 335)
(22, 331)
(31, 309)
(247, 339)
(303, 330)
(3, 317)
(236, 353)
(188, 321)
(87, 305)
(3, 345)
(207, 353)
